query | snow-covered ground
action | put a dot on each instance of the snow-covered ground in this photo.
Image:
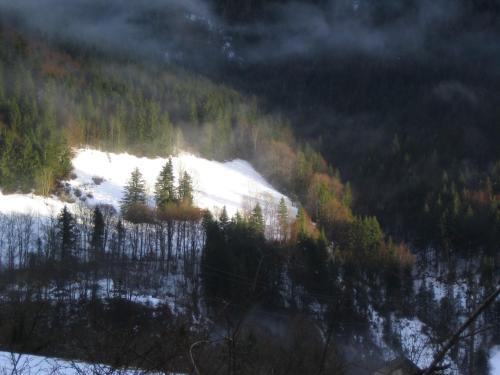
(414, 339)
(29, 204)
(495, 360)
(101, 176)
(24, 364)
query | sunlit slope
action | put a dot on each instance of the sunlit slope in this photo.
(99, 178)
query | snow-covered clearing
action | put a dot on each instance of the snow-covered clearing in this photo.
(234, 184)
(101, 176)
(24, 364)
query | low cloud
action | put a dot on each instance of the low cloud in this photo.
(153, 27)
(425, 30)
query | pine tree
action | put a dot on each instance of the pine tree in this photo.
(67, 234)
(347, 197)
(223, 218)
(315, 257)
(135, 192)
(120, 238)
(207, 219)
(2, 88)
(97, 240)
(257, 220)
(185, 190)
(301, 222)
(15, 117)
(164, 189)
(283, 219)
(237, 218)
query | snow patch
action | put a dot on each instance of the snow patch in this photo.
(30, 204)
(414, 341)
(100, 178)
(16, 363)
(216, 184)
(495, 360)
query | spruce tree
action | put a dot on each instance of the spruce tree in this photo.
(283, 219)
(67, 233)
(97, 240)
(257, 220)
(237, 218)
(15, 116)
(223, 218)
(120, 239)
(207, 219)
(347, 197)
(301, 222)
(164, 188)
(2, 83)
(135, 191)
(185, 190)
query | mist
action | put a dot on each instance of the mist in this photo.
(191, 30)
(156, 28)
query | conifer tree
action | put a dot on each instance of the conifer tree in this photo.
(283, 219)
(15, 116)
(223, 218)
(257, 220)
(237, 218)
(207, 219)
(97, 240)
(164, 189)
(315, 255)
(120, 238)
(2, 90)
(185, 190)
(135, 191)
(347, 198)
(67, 233)
(301, 222)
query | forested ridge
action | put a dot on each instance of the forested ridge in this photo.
(53, 102)
(424, 135)
(146, 110)
(52, 97)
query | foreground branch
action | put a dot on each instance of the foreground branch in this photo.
(456, 336)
